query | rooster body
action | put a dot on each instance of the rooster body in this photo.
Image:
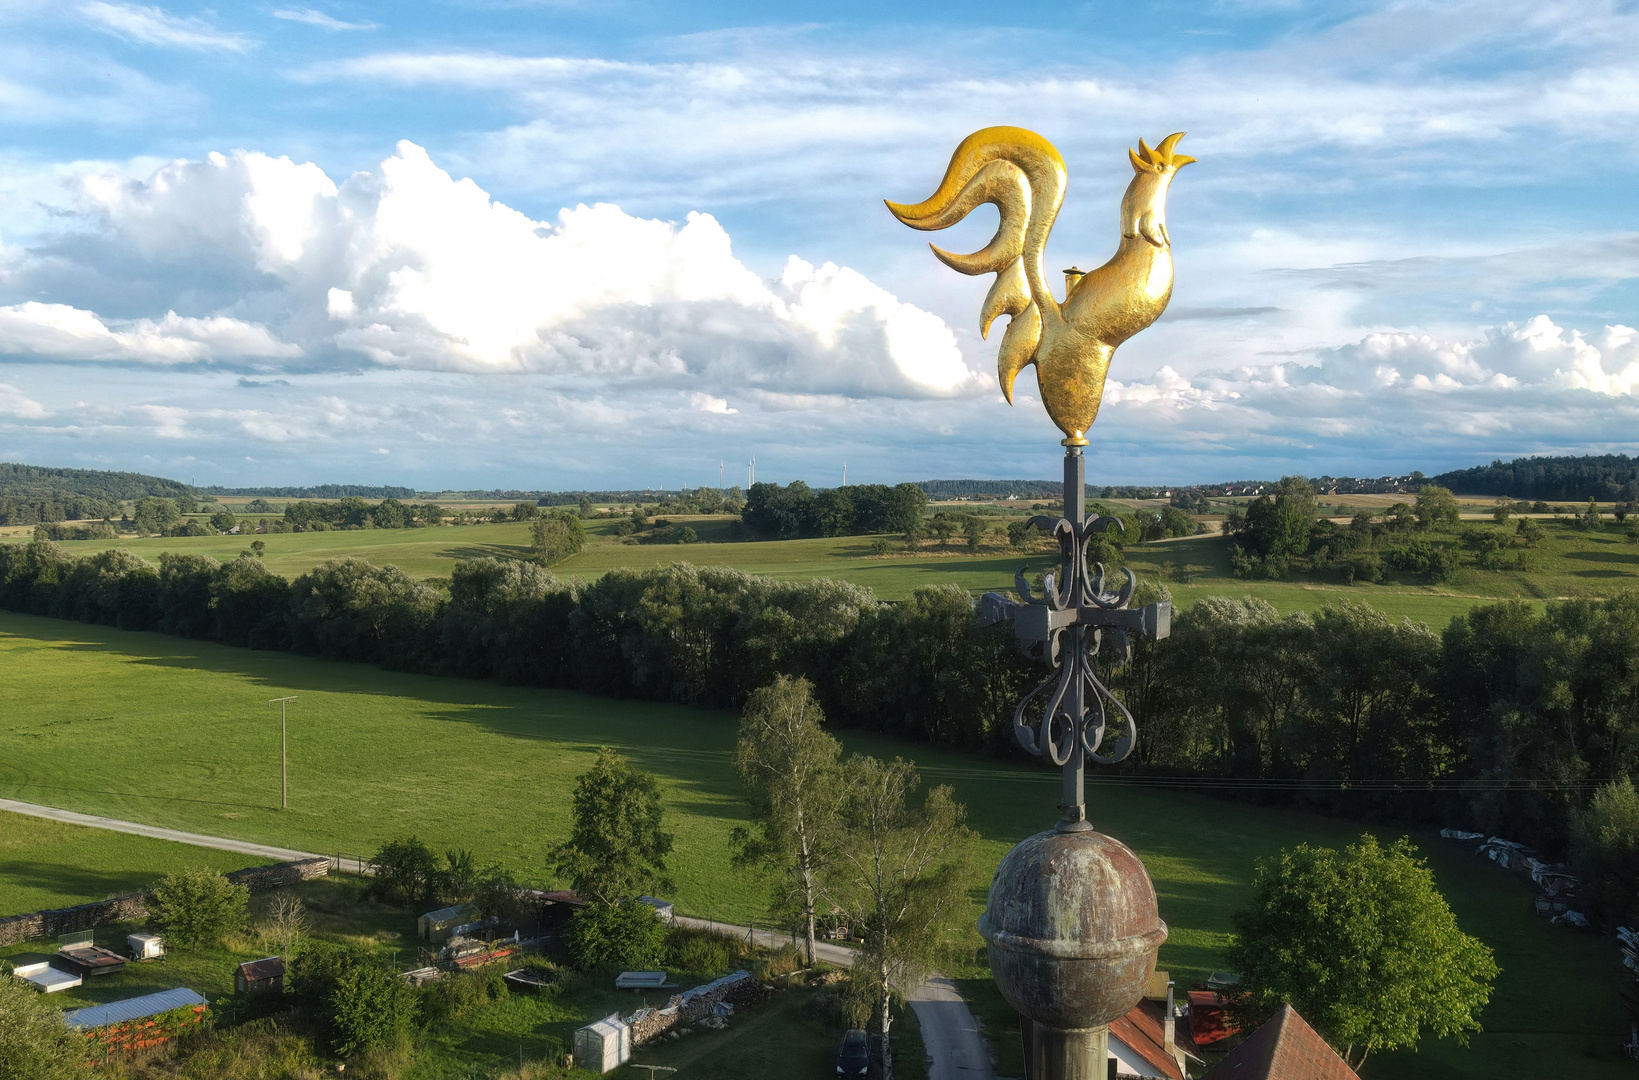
(1070, 344)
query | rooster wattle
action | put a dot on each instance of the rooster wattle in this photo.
(1070, 343)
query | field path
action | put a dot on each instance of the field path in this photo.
(949, 1032)
(115, 825)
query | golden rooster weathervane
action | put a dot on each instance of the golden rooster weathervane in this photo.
(1070, 343)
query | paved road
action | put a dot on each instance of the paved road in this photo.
(949, 1031)
(217, 842)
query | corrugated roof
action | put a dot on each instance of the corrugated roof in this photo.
(270, 968)
(1284, 1048)
(116, 1012)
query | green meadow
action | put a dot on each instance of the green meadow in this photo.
(176, 733)
(48, 864)
(1568, 563)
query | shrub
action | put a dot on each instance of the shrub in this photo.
(701, 952)
(626, 935)
(370, 1009)
(197, 907)
(463, 993)
(345, 990)
(406, 871)
(1605, 845)
(35, 1044)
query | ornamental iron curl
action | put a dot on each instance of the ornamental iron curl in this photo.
(1075, 614)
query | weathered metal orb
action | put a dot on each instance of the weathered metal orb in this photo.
(1072, 928)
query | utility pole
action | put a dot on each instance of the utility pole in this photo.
(284, 774)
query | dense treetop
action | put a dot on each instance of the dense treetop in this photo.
(1609, 478)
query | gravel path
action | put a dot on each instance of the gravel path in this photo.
(278, 854)
(949, 1031)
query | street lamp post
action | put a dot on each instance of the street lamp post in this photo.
(284, 774)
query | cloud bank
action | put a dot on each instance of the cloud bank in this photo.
(407, 268)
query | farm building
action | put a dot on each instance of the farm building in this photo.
(604, 1045)
(1144, 1044)
(1284, 1048)
(256, 976)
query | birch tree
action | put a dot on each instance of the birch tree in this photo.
(791, 766)
(902, 877)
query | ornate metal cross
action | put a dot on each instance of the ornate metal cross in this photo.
(1069, 623)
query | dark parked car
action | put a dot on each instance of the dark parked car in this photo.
(854, 1055)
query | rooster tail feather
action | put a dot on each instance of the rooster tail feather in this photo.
(1024, 176)
(1009, 295)
(1018, 349)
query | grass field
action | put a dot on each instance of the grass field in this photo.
(47, 864)
(176, 733)
(1567, 563)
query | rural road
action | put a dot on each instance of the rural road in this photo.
(949, 1031)
(219, 843)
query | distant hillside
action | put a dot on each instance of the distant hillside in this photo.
(318, 491)
(991, 489)
(30, 494)
(1609, 477)
(34, 482)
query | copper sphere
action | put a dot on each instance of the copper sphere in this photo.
(1072, 928)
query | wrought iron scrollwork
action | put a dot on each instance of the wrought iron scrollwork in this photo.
(1060, 732)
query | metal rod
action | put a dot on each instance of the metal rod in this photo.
(1075, 769)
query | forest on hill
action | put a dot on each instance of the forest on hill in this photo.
(317, 491)
(36, 482)
(1607, 477)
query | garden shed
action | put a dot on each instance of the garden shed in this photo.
(440, 925)
(604, 1045)
(255, 976)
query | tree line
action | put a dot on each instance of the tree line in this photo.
(1346, 709)
(784, 513)
(1606, 477)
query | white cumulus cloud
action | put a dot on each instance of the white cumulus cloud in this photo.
(64, 332)
(408, 267)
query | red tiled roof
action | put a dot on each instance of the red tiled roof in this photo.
(1284, 1048)
(1140, 1031)
(1206, 1018)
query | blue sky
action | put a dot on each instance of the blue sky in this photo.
(564, 245)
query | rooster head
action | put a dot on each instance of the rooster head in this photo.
(1144, 208)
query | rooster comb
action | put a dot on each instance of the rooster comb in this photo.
(1161, 158)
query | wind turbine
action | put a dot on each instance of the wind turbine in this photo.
(751, 481)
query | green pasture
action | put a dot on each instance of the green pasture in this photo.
(1567, 563)
(175, 733)
(48, 864)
